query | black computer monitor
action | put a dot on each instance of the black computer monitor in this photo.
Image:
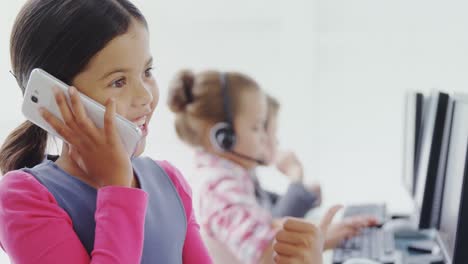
(430, 165)
(412, 138)
(453, 229)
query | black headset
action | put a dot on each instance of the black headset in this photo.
(222, 134)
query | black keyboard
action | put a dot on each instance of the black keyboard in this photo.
(372, 243)
(379, 211)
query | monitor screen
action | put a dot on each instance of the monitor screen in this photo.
(454, 177)
(411, 138)
(431, 151)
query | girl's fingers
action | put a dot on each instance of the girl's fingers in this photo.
(70, 120)
(287, 249)
(361, 221)
(299, 226)
(280, 259)
(64, 108)
(348, 232)
(328, 218)
(293, 238)
(64, 131)
(81, 117)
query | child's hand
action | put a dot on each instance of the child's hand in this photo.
(98, 152)
(348, 228)
(279, 222)
(302, 242)
(288, 163)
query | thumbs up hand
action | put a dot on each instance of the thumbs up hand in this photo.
(302, 242)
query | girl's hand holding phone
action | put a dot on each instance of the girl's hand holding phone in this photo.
(98, 152)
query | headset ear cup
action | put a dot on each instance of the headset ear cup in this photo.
(228, 139)
(222, 137)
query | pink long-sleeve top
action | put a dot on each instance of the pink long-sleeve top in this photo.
(35, 229)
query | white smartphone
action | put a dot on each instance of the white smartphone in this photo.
(39, 93)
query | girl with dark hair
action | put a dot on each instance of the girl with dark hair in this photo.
(91, 204)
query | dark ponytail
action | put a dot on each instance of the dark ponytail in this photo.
(24, 147)
(61, 37)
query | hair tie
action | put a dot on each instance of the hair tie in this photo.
(188, 90)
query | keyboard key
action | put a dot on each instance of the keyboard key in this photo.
(372, 243)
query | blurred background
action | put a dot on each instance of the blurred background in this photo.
(339, 68)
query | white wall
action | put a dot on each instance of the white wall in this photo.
(10, 97)
(370, 53)
(340, 69)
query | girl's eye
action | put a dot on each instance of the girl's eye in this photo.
(149, 72)
(119, 83)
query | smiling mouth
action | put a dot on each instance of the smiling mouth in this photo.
(142, 124)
